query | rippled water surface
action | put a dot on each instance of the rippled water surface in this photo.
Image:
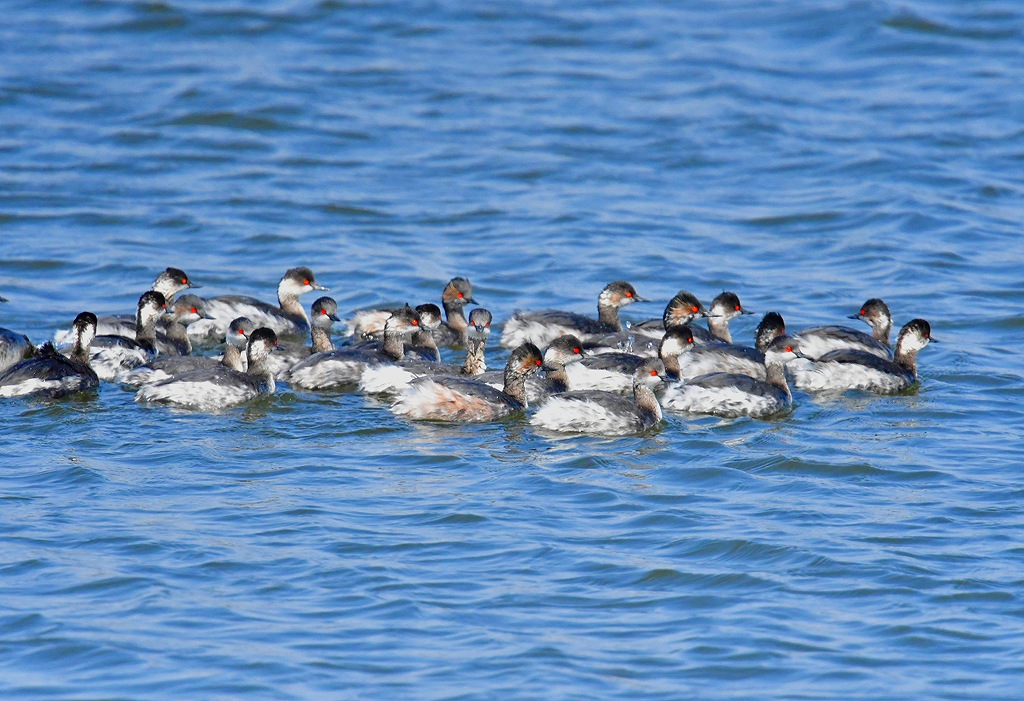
(808, 155)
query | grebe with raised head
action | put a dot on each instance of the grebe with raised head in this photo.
(344, 366)
(51, 374)
(849, 369)
(165, 367)
(732, 395)
(606, 413)
(718, 356)
(542, 327)
(819, 340)
(288, 318)
(217, 386)
(388, 378)
(114, 355)
(324, 312)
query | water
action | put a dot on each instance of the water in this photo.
(806, 155)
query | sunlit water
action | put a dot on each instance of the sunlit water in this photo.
(806, 155)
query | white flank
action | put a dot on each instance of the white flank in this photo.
(580, 416)
(839, 377)
(384, 379)
(323, 373)
(728, 402)
(581, 377)
(204, 396)
(36, 385)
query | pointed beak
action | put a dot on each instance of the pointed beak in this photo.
(638, 298)
(334, 317)
(317, 286)
(745, 311)
(932, 339)
(206, 315)
(192, 285)
(854, 316)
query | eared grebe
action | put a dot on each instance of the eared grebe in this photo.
(172, 336)
(168, 283)
(14, 347)
(542, 327)
(236, 340)
(847, 369)
(344, 366)
(724, 308)
(217, 386)
(718, 356)
(450, 398)
(286, 319)
(423, 344)
(560, 353)
(165, 367)
(388, 378)
(457, 293)
(113, 356)
(606, 413)
(289, 353)
(563, 352)
(51, 374)
(731, 395)
(642, 338)
(816, 342)
(613, 372)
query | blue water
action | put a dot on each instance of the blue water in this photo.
(807, 155)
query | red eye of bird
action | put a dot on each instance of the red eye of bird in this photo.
(305, 282)
(576, 351)
(539, 362)
(694, 309)
(193, 310)
(415, 322)
(789, 349)
(461, 295)
(629, 294)
(654, 373)
(737, 307)
(323, 311)
(862, 312)
(184, 281)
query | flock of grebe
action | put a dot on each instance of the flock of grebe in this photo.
(583, 374)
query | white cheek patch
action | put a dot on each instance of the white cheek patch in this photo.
(608, 298)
